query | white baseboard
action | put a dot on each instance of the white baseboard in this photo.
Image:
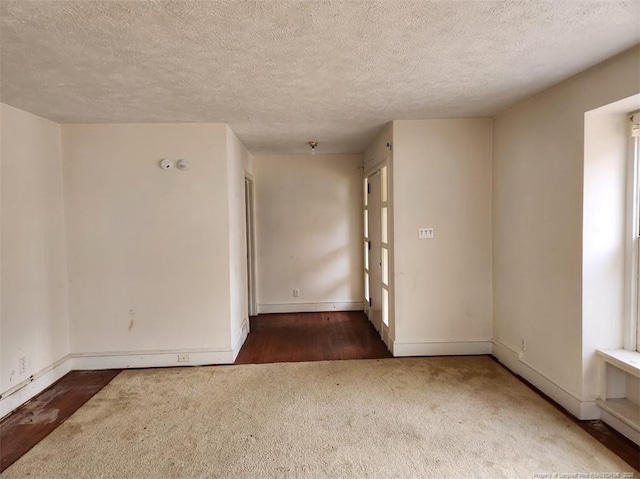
(582, 409)
(24, 391)
(270, 308)
(460, 348)
(237, 344)
(621, 427)
(150, 359)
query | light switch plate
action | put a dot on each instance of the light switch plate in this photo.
(426, 233)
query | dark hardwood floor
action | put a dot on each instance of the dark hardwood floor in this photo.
(33, 421)
(297, 337)
(274, 338)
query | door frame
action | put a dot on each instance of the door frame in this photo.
(373, 289)
(386, 330)
(250, 236)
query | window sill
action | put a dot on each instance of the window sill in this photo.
(619, 411)
(628, 361)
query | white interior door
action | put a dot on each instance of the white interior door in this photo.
(374, 310)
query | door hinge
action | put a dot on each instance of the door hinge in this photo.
(370, 302)
(368, 188)
(369, 243)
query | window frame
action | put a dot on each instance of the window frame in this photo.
(632, 263)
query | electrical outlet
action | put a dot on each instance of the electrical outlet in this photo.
(296, 293)
(22, 365)
(183, 358)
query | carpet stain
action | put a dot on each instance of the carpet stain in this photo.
(73, 429)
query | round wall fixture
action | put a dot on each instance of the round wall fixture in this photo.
(183, 165)
(166, 164)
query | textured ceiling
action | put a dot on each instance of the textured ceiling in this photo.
(284, 72)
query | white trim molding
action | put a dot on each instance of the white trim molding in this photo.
(237, 344)
(26, 390)
(271, 308)
(151, 359)
(619, 411)
(581, 408)
(631, 330)
(452, 348)
(621, 426)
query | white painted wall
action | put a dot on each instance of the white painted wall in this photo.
(34, 320)
(309, 232)
(239, 164)
(539, 178)
(2, 389)
(148, 248)
(442, 179)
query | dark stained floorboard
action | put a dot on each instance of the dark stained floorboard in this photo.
(293, 337)
(34, 420)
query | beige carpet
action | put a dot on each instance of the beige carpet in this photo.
(416, 417)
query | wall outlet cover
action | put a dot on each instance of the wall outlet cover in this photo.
(22, 365)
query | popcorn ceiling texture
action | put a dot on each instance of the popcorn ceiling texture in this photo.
(281, 73)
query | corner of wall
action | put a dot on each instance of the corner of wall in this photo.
(239, 163)
(32, 186)
(575, 405)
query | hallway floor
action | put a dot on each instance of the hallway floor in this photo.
(294, 337)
